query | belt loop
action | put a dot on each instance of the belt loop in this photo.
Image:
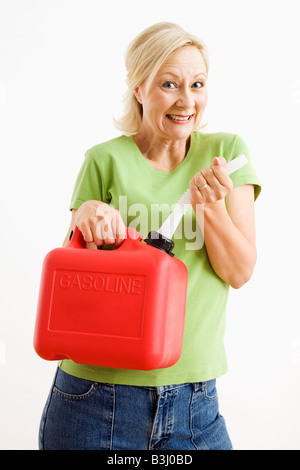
(197, 386)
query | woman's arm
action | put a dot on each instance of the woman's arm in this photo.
(228, 230)
(229, 236)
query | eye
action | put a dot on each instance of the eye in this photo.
(169, 85)
(198, 85)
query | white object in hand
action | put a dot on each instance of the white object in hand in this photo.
(183, 204)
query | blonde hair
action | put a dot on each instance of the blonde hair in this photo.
(143, 58)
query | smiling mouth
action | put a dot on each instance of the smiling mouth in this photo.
(178, 118)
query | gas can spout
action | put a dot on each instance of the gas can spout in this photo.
(159, 241)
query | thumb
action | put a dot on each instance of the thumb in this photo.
(219, 161)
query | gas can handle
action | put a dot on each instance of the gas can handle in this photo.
(77, 240)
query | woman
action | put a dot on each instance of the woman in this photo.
(159, 156)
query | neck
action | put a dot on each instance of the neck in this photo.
(163, 154)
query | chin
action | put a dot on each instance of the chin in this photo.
(180, 134)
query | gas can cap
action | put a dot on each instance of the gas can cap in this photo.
(157, 240)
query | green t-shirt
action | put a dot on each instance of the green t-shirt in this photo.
(116, 173)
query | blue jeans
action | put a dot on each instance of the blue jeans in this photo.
(84, 415)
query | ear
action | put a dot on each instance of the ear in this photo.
(137, 94)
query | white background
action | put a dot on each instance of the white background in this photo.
(61, 79)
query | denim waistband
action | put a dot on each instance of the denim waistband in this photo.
(163, 388)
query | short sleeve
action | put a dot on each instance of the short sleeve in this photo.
(89, 183)
(246, 174)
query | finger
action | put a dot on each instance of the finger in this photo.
(102, 231)
(86, 233)
(199, 188)
(196, 195)
(219, 161)
(115, 228)
(97, 234)
(108, 234)
(219, 182)
(219, 170)
(119, 242)
(120, 233)
(199, 180)
(222, 176)
(211, 179)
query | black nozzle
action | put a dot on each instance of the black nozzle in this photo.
(159, 241)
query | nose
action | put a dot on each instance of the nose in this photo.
(185, 98)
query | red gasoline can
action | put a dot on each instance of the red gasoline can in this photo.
(121, 308)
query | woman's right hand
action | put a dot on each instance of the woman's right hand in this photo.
(100, 223)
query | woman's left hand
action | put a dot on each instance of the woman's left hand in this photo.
(211, 184)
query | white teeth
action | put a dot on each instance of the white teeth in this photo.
(178, 118)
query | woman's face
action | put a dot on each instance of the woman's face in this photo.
(175, 102)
